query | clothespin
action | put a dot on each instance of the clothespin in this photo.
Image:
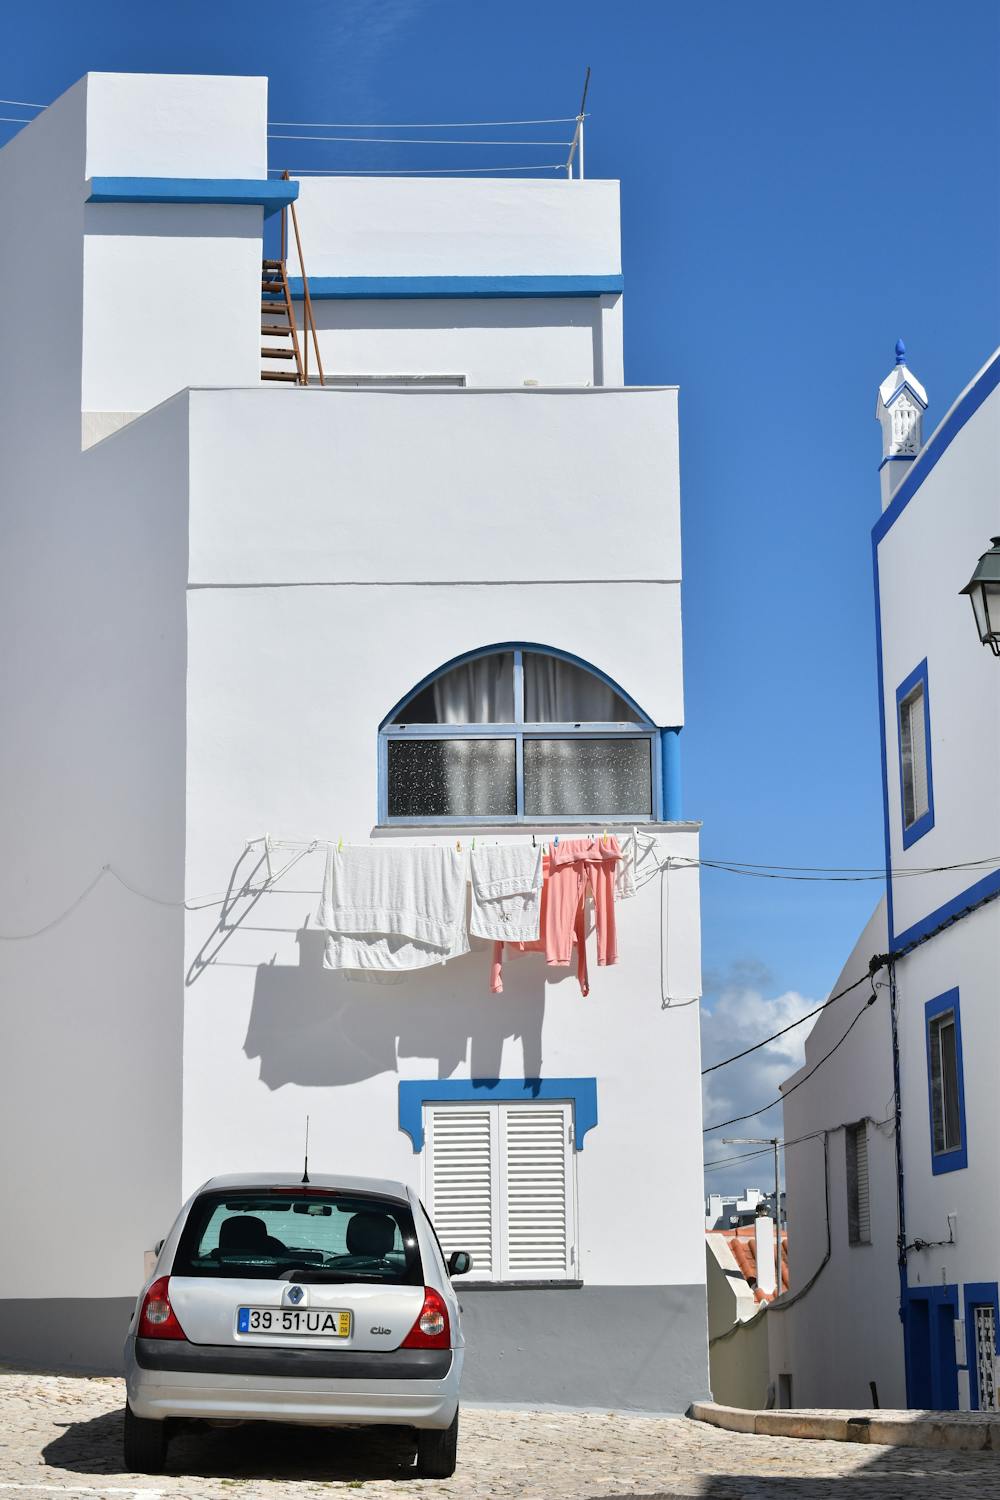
(473, 843)
(340, 845)
(604, 836)
(458, 846)
(534, 843)
(555, 843)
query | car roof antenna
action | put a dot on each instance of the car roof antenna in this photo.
(305, 1169)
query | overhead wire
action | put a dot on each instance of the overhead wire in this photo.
(424, 125)
(790, 1027)
(23, 104)
(402, 140)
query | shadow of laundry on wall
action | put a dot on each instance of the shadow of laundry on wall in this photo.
(312, 1026)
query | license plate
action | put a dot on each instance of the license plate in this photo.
(316, 1322)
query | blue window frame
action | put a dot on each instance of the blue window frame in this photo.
(487, 739)
(946, 1083)
(916, 783)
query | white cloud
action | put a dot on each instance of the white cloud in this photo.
(741, 1011)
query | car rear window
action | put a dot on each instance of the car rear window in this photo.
(315, 1235)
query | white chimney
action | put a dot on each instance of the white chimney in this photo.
(900, 407)
(763, 1228)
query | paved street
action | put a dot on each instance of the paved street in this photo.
(60, 1435)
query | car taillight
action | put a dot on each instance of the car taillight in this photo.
(157, 1320)
(431, 1330)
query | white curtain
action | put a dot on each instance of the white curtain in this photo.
(480, 692)
(557, 692)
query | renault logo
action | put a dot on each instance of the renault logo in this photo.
(295, 1295)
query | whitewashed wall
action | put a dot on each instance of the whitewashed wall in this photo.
(926, 558)
(404, 226)
(832, 1354)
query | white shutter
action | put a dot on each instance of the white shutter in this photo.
(461, 1180)
(536, 1190)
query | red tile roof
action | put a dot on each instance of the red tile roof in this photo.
(743, 1244)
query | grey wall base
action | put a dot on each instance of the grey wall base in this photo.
(632, 1348)
(81, 1334)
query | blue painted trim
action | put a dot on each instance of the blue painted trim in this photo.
(513, 646)
(958, 1158)
(981, 890)
(897, 458)
(670, 747)
(882, 745)
(923, 824)
(337, 288)
(519, 731)
(966, 407)
(271, 196)
(978, 1294)
(414, 1094)
(941, 1373)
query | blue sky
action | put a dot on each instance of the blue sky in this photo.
(801, 186)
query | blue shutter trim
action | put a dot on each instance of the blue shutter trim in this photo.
(414, 1094)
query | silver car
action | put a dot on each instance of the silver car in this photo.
(325, 1301)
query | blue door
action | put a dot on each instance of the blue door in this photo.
(931, 1366)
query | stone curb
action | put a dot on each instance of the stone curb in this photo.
(968, 1431)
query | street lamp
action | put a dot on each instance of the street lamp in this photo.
(774, 1141)
(983, 588)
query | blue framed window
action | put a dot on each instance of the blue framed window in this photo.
(518, 733)
(916, 784)
(946, 1083)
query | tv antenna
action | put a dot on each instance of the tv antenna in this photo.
(305, 1169)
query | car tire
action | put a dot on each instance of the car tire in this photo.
(437, 1451)
(145, 1444)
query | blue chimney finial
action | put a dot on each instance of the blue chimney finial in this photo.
(900, 352)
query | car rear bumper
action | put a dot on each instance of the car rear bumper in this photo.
(313, 1386)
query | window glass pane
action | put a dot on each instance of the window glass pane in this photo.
(558, 692)
(913, 752)
(452, 778)
(945, 1121)
(949, 1079)
(582, 778)
(330, 1237)
(477, 692)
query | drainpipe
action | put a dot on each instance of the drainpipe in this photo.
(900, 1193)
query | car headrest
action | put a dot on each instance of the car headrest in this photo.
(244, 1232)
(371, 1233)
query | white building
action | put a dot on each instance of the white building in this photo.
(908, 1291)
(228, 608)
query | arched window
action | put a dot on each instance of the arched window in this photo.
(517, 734)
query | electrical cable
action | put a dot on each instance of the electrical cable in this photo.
(23, 104)
(790, 1027)
(402, 140)
(541, 166)
(432, 125)
(737, 1119)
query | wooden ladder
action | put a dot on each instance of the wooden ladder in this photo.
(278, 322)
(276, 304)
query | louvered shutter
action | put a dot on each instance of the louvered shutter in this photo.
(859, 1230)
(536, 1191)
(462, 1180)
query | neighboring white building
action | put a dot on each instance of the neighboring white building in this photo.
(228, 607)
(915, 1307)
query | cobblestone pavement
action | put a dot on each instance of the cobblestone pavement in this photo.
(60, 1435)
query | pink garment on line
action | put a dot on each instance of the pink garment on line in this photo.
(571, 868)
